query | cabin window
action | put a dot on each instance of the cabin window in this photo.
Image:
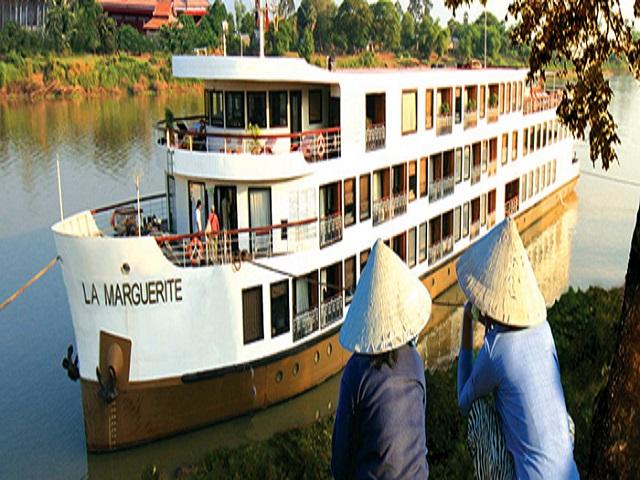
(413, 180)
(465, 219)
(364, 257)
(423, 176)
(537, 185)
(411, 254)
(349, 279)
(315, 106)
(525, 142)
(422, 247)
(523, 188)
(514, 146)
(502, 95)
(349, 202)
(257, 109)
(277, 109)
(399, 245)
(409, 109)
(171, 203)
(214, 110)
(543, 177)
(252, 314)
(483, 209)
(305, 305)
(458, 165)
(365, 198)
(234, 109)
(508, 98)
(260, 216)
(483, 153)
(530, 183)
(514, 97)
(331, 298)
(505, 144)
(456, 224)
(428, 116)
(553, 177)
(279, 308)
(458, 105)
(519, 95)
(467, 162)
(482, 100)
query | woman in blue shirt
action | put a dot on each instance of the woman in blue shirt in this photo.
(517, 362)
(379, 430)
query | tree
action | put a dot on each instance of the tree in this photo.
(353, 24)
(307, 17)
(305, 47)
(326, 11)
(419, 8)
(584, 35)
(386, 25)
(408, 31)
(59, 25)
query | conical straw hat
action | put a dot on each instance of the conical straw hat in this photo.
(496, 276)
(389, 308)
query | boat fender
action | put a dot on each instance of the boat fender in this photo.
(194, 251)
(71, 365)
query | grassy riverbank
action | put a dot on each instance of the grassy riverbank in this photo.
(584, 328)
(50, 76)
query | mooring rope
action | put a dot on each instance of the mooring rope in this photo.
(31, 281)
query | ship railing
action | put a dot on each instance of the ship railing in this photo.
(330, 229)
(381, 210)
(305, 323)
(492, 114)
(470, 119)
(540, 101)
(474, 230)
(234, 246)
(493, 166)
(376, 136)
(435, 252)
(121, 219)
(435, 189)
(491, 219)
(511, 206)
(331, 310)
(475, 173)
(398, 204)
(315, 145)
(448, 185)
(447, 244)
(444, 124)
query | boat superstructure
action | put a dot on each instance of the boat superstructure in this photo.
(305, 168)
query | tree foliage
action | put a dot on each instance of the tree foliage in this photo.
(352, 25)
(385, 31)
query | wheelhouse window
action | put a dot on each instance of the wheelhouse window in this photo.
(409, 109)
(349, 202)
(413, 181)
(315, 106)
(349, 279)
(279, 308)
(365, 198)
(428, 116)
(277, 109)
(257, 109)
(214, 110)
(234, 111)
(252, 314)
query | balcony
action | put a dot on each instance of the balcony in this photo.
(492, 114)
(474, 230)
(435, 252)
(331, 310)
(305, 323)
(511, 207)
(475, 173)
(447, 185)
(330, 229)
(388, 207)
(491, 219)
(470, 119)
(375, 137)
(435, 189)
(540, 101)
(447, 244)
(444, 124)
(398, 204)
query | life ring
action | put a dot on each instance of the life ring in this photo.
(320, 146)
(194, 251)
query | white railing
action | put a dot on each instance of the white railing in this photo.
(381, 210)
(511, 207)
(331, 310)
(398, 204)
(376, 136)
(492, 114)
(305, 323)
(435, 189)
(474, 230)
(447, 244)
(444, 124)
(542, 101)
(447, 185)
(435, 252)
(470, 119)
(475, 173)
(330, 229)
(121, 219)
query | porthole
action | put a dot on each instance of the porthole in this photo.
(279, 376)
(125, 268)
(316, 357)
(329, 350)
(296, 369)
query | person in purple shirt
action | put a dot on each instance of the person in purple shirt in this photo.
(527, 435)
(379, 430)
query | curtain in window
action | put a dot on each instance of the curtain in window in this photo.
(302, 295)
(409, 123)
(260, 216)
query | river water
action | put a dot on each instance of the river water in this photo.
(101, 143)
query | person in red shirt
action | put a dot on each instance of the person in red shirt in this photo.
(212, 230)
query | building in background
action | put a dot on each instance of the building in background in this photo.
(26, 13)
(150, 15)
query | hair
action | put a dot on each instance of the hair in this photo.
(198, 203)
(389, 358)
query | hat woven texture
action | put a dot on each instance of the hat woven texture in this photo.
(389, 308)
(496, 275)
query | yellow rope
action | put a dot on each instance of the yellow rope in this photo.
(31, 281)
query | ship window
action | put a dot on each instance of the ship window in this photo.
(422, 247)
(537, 185)
(467, 162)
(538, 136)
(465, 219)
(484, 155)
(279, 308)
(252, 314)
(532, 138)
(214, 108)
(483, 209)
(257, 109)
(349, 202)
(458, 105)
(365, 199)
(234, 109)
(458, 165)
(502, 92)
(277, 109)
(411, 255)
(349, 279)
(525, 142)
(315, 106)
(456, 224)
(514, 146)
(413, 181)
(409, 108)
(507, 99)
(423, 176)
(553, 178)
(482, 100)
(399, 245)
(260, 216)
(428, 116)
(519, 95)
(523, 188)
(305, 305)
(364, 257)
(505, 144)
(530, 183)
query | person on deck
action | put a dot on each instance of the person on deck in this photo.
(212, 230)
(379, 430)
(528, 435)
(197, 217)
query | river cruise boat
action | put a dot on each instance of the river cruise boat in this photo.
(306, 167)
